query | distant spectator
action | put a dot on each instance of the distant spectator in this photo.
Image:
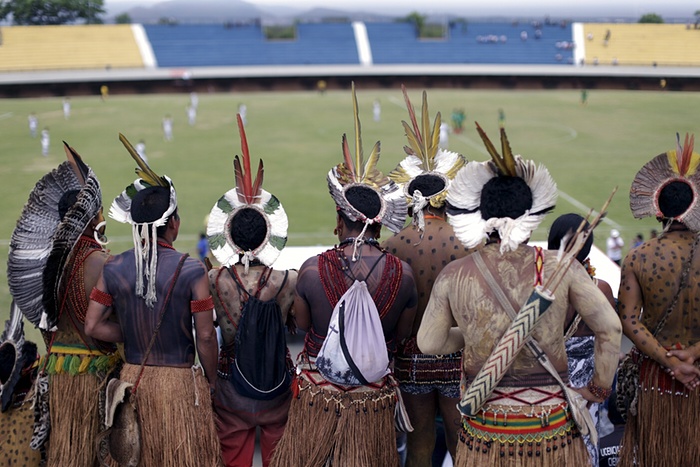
(376, 110)
(66, 108)
(168, 128)
(589, 36)
(607, 37)
(104, 92)
(191, 114)
(202, 246)
(33, 124)
(141, 149)
(614, 245)
(321, 86)
(523, 35)
(194, 100)
(653, 233)
(45, 141)
(458, 117)
(444, 135)
(584, 96)
(638, 240)
(501, 118)
(243, 112)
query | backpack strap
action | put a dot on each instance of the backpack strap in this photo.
(284, 281)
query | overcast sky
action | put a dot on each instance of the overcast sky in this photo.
(622, 8)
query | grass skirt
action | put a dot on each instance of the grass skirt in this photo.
(75, 403)
(665, 431)
(175, 416)
(353, 428)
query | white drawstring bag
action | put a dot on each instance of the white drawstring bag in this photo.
(354, 352)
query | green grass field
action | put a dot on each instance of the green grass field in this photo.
(588, 149)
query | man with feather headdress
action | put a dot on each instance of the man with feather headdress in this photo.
(429, 383)
(337, 424)
(661, 278)
(514, 410)
(247, 230)
(60, 234)
(156, 292)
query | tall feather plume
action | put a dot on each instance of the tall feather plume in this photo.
(684, 154)
(347, 156)
(359, 156)
(424, 143)
(505, 163)
(247, 189)
(144, 171)
(79, 167)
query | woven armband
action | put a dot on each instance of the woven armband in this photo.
(198, 306)
(103, 298)
(597, 391)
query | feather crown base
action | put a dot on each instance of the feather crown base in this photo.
(679, 165)
(223, 214)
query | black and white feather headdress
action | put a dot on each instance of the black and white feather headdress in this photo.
(464, 197)
(144, 234)
(41, 241)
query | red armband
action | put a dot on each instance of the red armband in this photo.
(103, 298)
(198, 306)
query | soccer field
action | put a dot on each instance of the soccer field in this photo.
(589, 149)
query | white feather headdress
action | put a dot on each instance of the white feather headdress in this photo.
(464, 197)
(424, 160)
(248, 194)
(144, 234)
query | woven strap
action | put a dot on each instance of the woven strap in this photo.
(508, 347)
(681, 286)
(160, 320)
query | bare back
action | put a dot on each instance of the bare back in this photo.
(427, 256)
(651, 276)
(461, 293)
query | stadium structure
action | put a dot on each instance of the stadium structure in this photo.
(136, 58)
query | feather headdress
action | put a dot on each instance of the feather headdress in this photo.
(356, 173)
(13, 349)
(425, 161)
(41, 241)
(248, 194)
(144, 234)
(464, 197)
(679, 165)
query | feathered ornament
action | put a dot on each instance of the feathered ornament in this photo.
(14, 355)
(248, 194)
(426, 160)
(361, 174)
(143, 234)
(86, 208)
(679, 165)
(464, 197)
(41, 242)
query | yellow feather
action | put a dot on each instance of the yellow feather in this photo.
(359, 157)
(144, 172)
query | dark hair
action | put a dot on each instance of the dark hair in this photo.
(149, 204)
(248, 229)
(68, 199)
(675, 198)
(365, 200)
(561, 226)
(505, 197)
(427, 184)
